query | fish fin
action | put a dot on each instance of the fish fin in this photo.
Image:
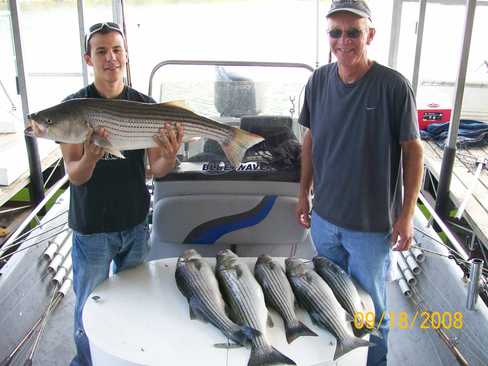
(268, 356)
(363, 304)
(297, 329)
(238, 272)
(269, 321)
(198, 265)
(251, 332)
(115, 152)
(236, 147)
(192, 313)
(177, 103)
(244, 335)
(361, 332)
(195, 310)
(308, 277)
(315, 317)
(227, 345)
(348, 344)
(107, 146)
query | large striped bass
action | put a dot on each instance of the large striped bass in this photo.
(344, 290)
(315, 295)
(246, 300)
(279, 295)
(196, 281)
(132, 125)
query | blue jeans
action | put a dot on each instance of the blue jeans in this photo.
(92, 256)
(365, 256)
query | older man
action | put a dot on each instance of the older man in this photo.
(361, 131)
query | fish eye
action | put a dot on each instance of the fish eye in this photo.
(49, 122)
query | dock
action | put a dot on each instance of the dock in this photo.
(14, 164)
(463, 178)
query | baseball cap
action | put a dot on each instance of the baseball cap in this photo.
(358, 7)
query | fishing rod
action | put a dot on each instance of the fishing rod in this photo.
(45, 317)
(7, 360)
(458, 258)
(2, 258)
(19, 242)
(450, 256)
(59, 293)
(424, 310)
(17, 239)
(440, 242)
(35, 211)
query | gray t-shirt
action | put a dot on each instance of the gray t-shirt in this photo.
(356, 153)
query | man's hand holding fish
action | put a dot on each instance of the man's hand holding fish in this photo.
(93, 152)
(169, 140)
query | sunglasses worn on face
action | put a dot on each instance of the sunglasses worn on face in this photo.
(352, 33)
(95, 28)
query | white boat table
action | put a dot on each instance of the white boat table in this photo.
(139, 317)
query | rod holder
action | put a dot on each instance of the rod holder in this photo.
(411, 262)
(404, 287)
(474, 282)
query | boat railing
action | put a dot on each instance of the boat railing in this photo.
(476, 281)
(223, 63)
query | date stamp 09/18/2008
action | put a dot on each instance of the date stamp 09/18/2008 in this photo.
(405, 320)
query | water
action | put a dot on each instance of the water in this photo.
(265, 30)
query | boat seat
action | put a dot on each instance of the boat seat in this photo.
(231, 219)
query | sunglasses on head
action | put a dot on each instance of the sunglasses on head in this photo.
(95, 28)
(353, 33)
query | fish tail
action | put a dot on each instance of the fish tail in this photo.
(349, 344)
(244, 334)
(268, 356)
(296, 329)
(240, 141)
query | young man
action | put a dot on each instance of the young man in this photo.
(362, 130)
(109, 200)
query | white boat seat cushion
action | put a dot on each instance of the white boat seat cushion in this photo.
(227, 219)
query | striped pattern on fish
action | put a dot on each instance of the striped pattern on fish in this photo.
(131, 125)
(316, 296)
(196, 281)
(279, 295)
(345, 291)
(340, 283)
(246, 300)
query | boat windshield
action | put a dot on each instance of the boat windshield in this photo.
(264, 99)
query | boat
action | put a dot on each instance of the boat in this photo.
(250, 210)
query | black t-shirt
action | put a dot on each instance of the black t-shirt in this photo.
(115, 198)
